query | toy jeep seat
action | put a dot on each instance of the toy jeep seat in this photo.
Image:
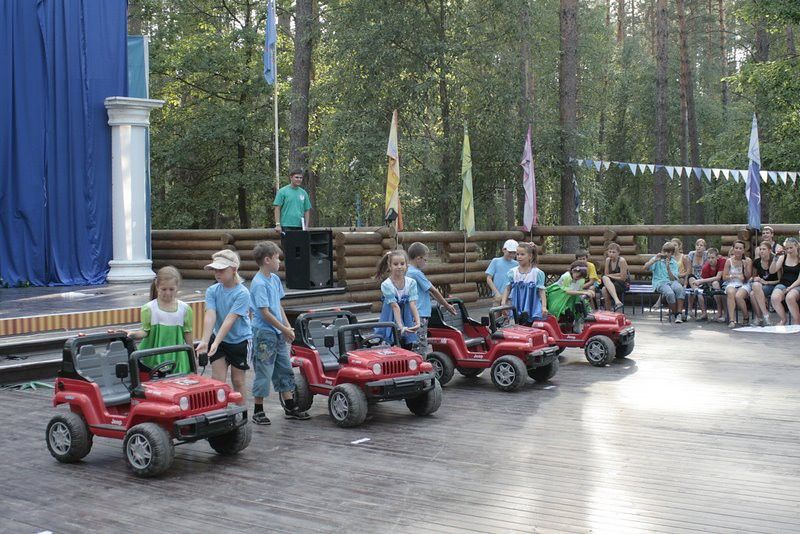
(441, 317)
(100, 369)
(317, 332)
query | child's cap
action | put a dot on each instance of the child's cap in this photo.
(222, 260)
(511, 245)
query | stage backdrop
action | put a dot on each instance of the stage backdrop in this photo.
(60, 60)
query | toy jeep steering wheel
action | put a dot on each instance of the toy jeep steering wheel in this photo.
(163, 369)
(372, 340)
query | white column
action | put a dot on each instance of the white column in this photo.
(129, 119)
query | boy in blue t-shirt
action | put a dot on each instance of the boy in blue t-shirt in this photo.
(226, 326)
(497, 272)
(272, 335)
(417, 258)
(666, 279)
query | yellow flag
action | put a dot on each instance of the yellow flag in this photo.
(467, 207)
(393, 175)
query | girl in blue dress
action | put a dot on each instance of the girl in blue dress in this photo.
(399, 297)
(526, 289)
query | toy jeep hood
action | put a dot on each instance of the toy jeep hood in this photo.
(523, 334)
(182, 385)
(380, 355)
(608, 317)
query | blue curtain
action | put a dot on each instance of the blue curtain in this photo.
(61, 59)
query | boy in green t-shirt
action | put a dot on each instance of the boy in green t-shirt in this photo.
(292, 204)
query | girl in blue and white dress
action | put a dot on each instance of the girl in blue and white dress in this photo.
(399, 297)
(526, 289)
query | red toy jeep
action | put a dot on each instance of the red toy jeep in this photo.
(603, 335)
(334, 355)
(513, 352)
(110, 396)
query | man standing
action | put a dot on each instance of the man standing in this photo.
(292, 204)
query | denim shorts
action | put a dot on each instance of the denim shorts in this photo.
(272, 363)
(783, 288)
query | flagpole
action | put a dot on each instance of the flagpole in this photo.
(275, 110)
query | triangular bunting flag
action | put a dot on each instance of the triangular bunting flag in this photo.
(606, 164)
(735, 174)
(707, 173)
(783, 176)
(697, 171)
(632, 167)
(715, 173)
(589, 163)
(764, 176)
(597, 165)
(652, 168)
(793, 177)
(743, 175)
(620, 164)
(773, 176)
(726, 173)
(642, 167)
(670, 171)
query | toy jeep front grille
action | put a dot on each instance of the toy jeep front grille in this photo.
(393, 367)
(203, 399)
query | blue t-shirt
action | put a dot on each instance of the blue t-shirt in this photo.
(392, 294)
(498, 270)
(424, 287)
(226, 301)
(535, 275)
(659, 270)
(266, 292)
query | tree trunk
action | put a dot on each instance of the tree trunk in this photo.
(790, 46)
(662, 131)
(568, 118)
(301, 85)
(687, 104)
(620, 21)
(762, 42)
(723, 54)
(444, 104)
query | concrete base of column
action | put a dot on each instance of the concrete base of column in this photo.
(130, 271)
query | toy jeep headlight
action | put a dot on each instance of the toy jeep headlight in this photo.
(221, 395)
(184, 403)
(377, 369)
(412, 365)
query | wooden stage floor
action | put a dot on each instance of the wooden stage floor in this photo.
(698, 432)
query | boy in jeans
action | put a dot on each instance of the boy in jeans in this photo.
(666, 279)
(417, 258)
(272, 335)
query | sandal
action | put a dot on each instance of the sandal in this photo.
(720, 319)
(733, 324)
(703, 317)
(617, 307)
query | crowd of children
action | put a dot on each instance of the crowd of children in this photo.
(249, 328)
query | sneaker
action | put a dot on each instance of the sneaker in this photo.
(678, 319)
(261, 418)
(765, 321)
(296, 414)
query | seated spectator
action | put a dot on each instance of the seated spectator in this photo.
(593, 280)
(710, 278)
(763, 283)
(684, 269)
(737, 270)
(615, 278)
(666, 280)
(568, 293)
(768, 235)
(787, 263)
(697, 258)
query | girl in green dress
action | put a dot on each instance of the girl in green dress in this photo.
(166, 321)
(568, 294)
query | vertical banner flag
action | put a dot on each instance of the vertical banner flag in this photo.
(576, 198)
(467, 222)
(529, 217)
(753, 187)
(270, 44)
(393, 175)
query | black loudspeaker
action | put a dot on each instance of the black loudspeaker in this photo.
(308, 257)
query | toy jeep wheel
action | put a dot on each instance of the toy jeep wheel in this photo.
(347, 405)
(233, 442)
(148, 450)
(428, 402)
(470, 372)
(545, 372)
(600, 350)
(442, 366)
(624, 350)
(68, 437)
(508, 373)
(303, 397)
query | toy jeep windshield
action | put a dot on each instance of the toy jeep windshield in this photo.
(108, 396)
(350, 363)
